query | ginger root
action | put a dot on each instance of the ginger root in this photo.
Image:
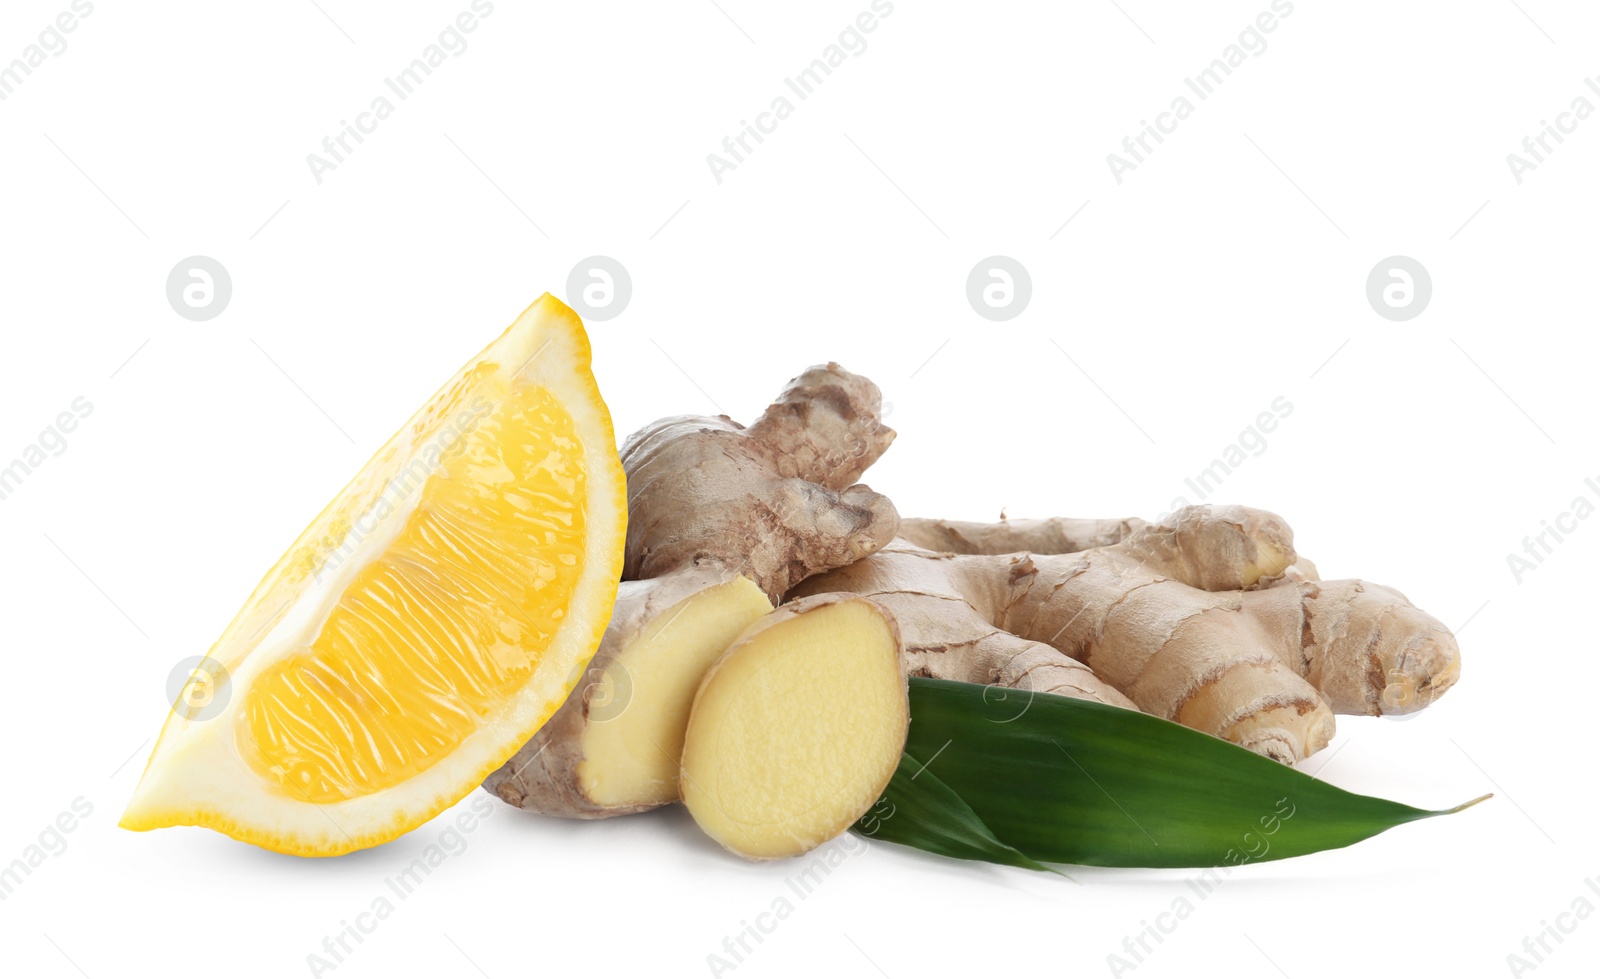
(1209, 618)
(1205, 619)
(722, 521)
(797, 729)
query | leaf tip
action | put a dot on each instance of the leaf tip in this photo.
(1468, 805)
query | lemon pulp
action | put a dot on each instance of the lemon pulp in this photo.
(462, 604)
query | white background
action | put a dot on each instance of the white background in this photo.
(1227, 270)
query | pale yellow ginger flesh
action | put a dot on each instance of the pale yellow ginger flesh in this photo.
(1208, 619)
(631, 758)
(797, 730)
(614, 746)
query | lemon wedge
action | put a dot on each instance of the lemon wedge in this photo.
(424, 626)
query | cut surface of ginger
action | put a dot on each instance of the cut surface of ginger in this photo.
(797, 729)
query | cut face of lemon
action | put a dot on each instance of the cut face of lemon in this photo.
(424, 626)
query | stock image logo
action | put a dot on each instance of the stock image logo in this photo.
(599, 287)
(199, 288)
(1005, 704)
(998, 288)
(1399, 288)
(605, 691)
(199, 688)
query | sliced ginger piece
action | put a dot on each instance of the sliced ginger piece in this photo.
(797, 729)
(613, 747)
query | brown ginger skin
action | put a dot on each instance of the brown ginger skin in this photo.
(776, 501)
(1205, 619)
(1051, 535)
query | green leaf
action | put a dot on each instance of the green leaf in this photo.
(919, 810)
(1071, 781)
